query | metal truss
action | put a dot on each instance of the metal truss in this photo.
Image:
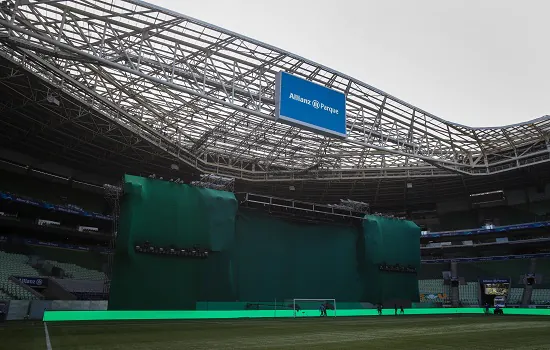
(348, 204)
(290, 208)
(23, 111)
(215, 182)
(205, 96)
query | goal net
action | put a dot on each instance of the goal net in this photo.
(314, 307)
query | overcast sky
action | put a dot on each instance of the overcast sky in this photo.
(474, 62)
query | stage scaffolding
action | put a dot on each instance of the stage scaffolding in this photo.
(112, 196)
(303, 211)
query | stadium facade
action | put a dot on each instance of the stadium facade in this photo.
(93, 90)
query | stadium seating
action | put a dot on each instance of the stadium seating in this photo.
(469, 293)
(540, 296)
(81, 281)
(15, 264)
(4, 296)
(433, 291)
(78, 272)
(515, 296)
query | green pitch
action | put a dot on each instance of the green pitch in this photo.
(386, 332)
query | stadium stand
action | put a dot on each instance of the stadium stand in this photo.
(4, 296)
(83, 258)
(83, 289)
(469, 293)
(515, 295)
(433, 291)
(38, 189)
(541, 289)
(85, 283)
(247, 246)
(15, 265)
(540, 296)
(74, 271)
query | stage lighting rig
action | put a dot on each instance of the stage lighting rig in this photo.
(351, 205)
(215, 182)
(194, 252)
(112, 190)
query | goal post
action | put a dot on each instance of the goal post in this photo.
(312, 307)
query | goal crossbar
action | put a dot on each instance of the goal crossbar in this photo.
(329, 303)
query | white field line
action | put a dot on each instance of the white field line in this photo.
(48, 342)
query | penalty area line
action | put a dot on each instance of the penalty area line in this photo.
(48, 342)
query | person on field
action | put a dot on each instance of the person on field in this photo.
(323, 310)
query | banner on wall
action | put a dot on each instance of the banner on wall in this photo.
(432, 297)
(34, 282)
(487, 258)
(69, 209)
(494, 280)
(491, 229)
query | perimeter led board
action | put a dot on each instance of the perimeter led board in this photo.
(64, 316)
(309, 105)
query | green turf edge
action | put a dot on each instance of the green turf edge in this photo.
(60, 316)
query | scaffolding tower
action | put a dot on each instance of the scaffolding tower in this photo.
(112, 195)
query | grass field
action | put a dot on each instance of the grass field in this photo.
(388, 333)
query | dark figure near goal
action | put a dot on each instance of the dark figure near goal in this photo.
(379, 307)
(402, 310)
(323, 309)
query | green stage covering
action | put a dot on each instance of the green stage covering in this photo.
(256, 257)
(278, 259)
(166, 213)
(392, 242)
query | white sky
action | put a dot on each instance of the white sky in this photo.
(474, 62)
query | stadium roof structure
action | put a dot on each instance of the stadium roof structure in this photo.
(204, 96)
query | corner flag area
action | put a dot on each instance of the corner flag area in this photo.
(385, 332)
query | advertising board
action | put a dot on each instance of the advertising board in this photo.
(311, 106)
